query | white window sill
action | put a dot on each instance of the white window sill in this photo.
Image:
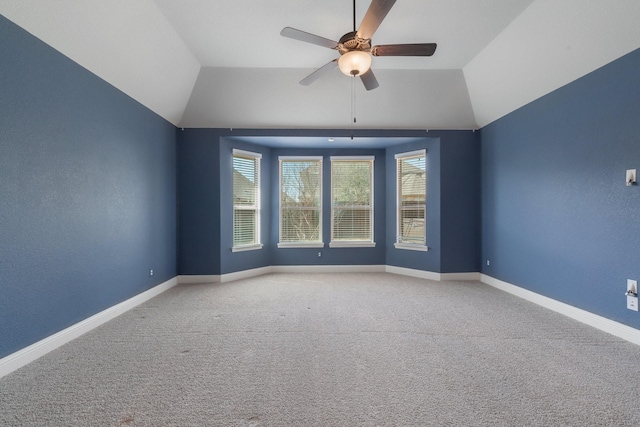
(297, 245)
(411, 247)
(351, 244)
(245, 248)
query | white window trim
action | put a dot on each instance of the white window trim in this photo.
(258, 245)
(404, 245)
(411, 247)
(354, 243)
(243, 153)
(299, 244)
(245, 248)
(422, 152)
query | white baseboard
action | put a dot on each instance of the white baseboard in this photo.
(328, 269)
(421, 274)
(245, 274)
(602, 323)
(28, 354)
(308, 269)
(293, 269)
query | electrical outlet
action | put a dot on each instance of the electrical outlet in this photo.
(488, 262)
(319, 254)
(150, 272)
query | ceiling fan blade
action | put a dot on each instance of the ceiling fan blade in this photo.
(292, 33)
(416, 49)
(369, 80)
(373, 18)
(319, 72)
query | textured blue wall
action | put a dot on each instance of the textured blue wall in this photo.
(430, 260)
(557, 217)
(460, 201)
(244, 260)
(198, 201)
(87, 193)
(453, 204)
(204, 163)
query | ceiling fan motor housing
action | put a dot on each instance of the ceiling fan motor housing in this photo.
(351, 41)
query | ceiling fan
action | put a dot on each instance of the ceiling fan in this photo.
(355, 47)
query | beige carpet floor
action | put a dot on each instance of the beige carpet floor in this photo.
(331, 350)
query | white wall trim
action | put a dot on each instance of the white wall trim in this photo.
(421, 274)
(28, 354)
(245, 274)
(328, 269)
(602, 323)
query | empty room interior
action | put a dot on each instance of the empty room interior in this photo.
(210, 216)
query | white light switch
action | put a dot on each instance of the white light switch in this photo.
(631, 177)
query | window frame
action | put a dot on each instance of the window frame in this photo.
(301, 243)
(399, 244)
(356, 243)
(256, 208)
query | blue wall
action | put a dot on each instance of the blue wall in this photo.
(87, 193)
(205, 212)
(557, 217)
(453, 204)
(460, 191)
(236, 261)
(430, 260)
(198, 201)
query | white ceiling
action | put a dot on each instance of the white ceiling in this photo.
(204, 63)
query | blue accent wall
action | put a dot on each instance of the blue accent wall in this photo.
(87, 193)
(198, 201)
(453, 204)
(205, 200)
(430, 260)
(460, 189)
(557, 217)
(245, 260)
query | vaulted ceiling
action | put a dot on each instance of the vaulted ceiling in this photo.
(204, 63)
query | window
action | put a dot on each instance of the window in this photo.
(246, 200)
(352, 201)
(411, 187)
(300, 202)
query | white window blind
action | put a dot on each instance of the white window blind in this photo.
(300, 201)
(246, 199)
(351, 201)
(411, 185)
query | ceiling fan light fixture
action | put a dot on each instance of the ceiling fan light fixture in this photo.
(354, 63)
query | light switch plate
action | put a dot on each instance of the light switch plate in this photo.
(631, 177)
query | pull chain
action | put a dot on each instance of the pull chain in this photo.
(353, 104)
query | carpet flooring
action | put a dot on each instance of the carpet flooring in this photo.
(331, 350)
